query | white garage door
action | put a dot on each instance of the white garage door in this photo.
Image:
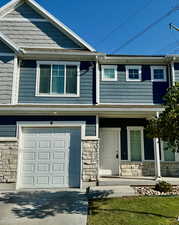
(50, 158)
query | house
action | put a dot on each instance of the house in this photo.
(69, 114)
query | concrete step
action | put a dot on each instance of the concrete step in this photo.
(125, 182)
(111, 191)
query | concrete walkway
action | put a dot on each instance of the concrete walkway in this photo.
(64, 207)
(111, 191)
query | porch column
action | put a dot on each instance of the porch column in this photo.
(157, 155)
(157, 158)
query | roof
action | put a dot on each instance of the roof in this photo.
(63, 28)
(9, 43)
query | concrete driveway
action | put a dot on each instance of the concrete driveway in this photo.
(68, 207)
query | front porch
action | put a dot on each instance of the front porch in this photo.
(128, 157)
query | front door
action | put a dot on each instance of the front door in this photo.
(109, 151)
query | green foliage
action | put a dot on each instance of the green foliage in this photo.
(166, 126)
(163, 186)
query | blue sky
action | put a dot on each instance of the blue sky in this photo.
(94, 20)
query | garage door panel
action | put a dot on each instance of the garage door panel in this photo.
(47, 155)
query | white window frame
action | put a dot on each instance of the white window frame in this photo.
(141, 129)
(37, 93)
(152, 68)
(138, 67)
(109, 67)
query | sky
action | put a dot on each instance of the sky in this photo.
(107, 25)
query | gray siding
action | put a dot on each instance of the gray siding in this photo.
(4, 48)
(35, 34)
(28, 85)
(122, 91)
(6, 79)
(24, 11)
(8, 123)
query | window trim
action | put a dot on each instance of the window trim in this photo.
(152, 68)
(109, 67)
(141, 129)
(65, 63)
(139, 67)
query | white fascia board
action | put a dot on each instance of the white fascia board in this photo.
(7, 7)
(10, 43)
(60, 24)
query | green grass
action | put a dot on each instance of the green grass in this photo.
(134, 211)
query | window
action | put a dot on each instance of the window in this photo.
(58, 78)
(133, 73)
(109, 72)
(167, 154)
(135, 143)
(158, 73)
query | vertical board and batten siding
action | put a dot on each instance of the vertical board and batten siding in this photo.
(122, 91)
(8, 123)
(34, 33)
(176, 67)
(6, 78)
(123, 124)
(27, 85)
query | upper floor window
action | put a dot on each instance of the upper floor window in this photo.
(58, 79)
(109, 72)
(133, 73)
(158, 73)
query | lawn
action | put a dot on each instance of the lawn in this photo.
(134, 211)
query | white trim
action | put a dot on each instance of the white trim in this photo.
(108, 67)
(14, 82)
(13, 139)
(14, 3)
(141, 129)
(6, 54)
(152, 68)
(138, 67)
(10, 43)
(65, 63)
(24, 20)
(173, 73)
(97, 126)
(97, 82)
(21, 125)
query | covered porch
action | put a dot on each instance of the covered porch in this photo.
(128, 156)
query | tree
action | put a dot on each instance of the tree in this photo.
(166, 126)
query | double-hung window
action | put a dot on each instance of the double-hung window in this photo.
(133, 73)
(58, 79)
(135, 143)
(109, 72)
(158, 73)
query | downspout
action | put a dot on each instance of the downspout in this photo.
(173, 71)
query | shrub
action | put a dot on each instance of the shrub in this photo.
(163, 186)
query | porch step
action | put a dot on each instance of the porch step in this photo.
(124, 182)
(111, 191)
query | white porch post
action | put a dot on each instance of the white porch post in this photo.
(157, 156)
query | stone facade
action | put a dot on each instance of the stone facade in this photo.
(8, 161)
(135, 169)
(90, 160)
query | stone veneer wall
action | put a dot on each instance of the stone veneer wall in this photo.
(8, 161)
(90, 160)
(168, 169)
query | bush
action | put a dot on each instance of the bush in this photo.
(163, 186)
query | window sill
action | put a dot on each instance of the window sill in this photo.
(158, 80)
(57, 96)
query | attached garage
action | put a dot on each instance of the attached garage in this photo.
(49, 157)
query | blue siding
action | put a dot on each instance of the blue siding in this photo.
(28, 84)
(122, 91)
(4, 48)
(123, 124)
(176, 67)
(8, 123)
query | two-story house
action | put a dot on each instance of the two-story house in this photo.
(70, 115)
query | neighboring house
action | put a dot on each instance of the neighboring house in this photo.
(69, 114)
